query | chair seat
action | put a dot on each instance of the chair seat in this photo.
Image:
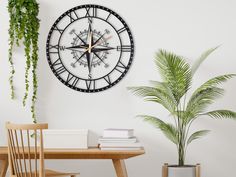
(51, 173)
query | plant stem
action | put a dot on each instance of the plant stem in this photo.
(181, 153)
(182, 130)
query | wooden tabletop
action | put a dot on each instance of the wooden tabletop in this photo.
(117, 157)
(90, 153)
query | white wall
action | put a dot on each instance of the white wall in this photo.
(186, 27)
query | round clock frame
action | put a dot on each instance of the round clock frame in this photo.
(90, 50)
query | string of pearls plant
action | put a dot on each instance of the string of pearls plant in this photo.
(24, 26)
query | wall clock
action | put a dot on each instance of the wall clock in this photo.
(90, 48)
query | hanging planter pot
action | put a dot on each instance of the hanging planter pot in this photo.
(180, 171)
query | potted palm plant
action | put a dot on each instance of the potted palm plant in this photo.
(171, 93)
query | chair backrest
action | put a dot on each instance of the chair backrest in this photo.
(25, 149)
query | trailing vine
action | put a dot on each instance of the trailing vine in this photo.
(24, 26)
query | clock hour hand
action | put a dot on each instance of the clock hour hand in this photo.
(88, 56)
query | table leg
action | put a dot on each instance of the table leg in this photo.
(3, 167)
(120, 168)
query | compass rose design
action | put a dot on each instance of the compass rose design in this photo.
(90, 48)
(96, 59)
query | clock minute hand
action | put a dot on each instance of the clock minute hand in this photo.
(98, 42)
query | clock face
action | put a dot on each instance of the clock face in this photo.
(90, 48)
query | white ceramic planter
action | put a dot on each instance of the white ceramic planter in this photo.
(184, 171)
(188, 171)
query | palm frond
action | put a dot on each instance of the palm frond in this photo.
(219, 114)
(158, 84)
(199, 102)
(167, 129)
(206, 94)
(164, 87)
(214, 82)
(175, 72)
(158, 95)
(201, 59)
(196, 135)
(152, 120)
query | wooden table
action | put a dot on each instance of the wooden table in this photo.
(117, 157)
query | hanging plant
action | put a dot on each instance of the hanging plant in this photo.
(24, 26)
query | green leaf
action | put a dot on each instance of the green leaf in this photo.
(197, 135)
(164, 88)
(158, 95)
(199, 101)
(202, 58)
(167, 129)
(214, 82)
(152, 120)
(170, 132)
(175, 72)
(219, 114)
(206, 94)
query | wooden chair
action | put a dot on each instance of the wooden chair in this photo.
(25, 151)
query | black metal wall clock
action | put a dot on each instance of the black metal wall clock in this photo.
(90, 48)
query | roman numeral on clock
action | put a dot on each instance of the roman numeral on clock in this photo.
(73, 16)
(120, 67)
(108, 16)
(53, 49)
(60, 70)
(75, 81)
(121, 30)
(90, 84)
(72, 80)
(69, 77)
(57, 29)
(58, 66)
(107, 79)
(124, 48)
(87, 11)
(94, 12)
(57, 62)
